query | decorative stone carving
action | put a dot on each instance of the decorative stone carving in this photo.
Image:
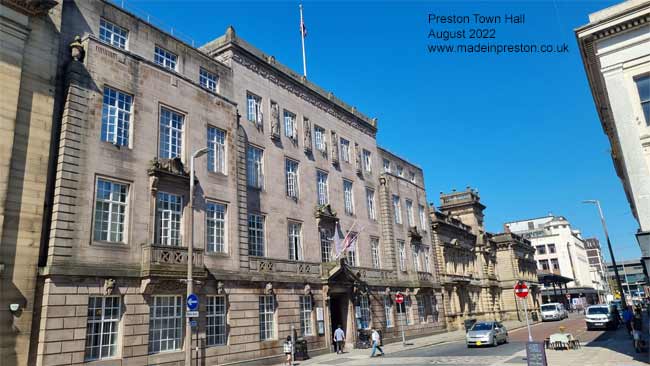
(275, 121)
(306, 126)
(335, 148)
(268, 289)
(173, 166)
(153, 183)
(109, 286)
(357, 159)
(77, 50)
(387, 291)
(31, 7)
(220, 288)
(325, 212)
(307, 290)
(407, 292)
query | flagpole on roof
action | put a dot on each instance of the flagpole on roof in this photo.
(303, 31)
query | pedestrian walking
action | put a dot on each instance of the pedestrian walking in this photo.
(628, 316)
(616, 316)
(637, 329)
(376, 341)
(288, 347)
(339, 338)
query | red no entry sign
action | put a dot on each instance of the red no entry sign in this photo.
(399, 298)
(521, 289)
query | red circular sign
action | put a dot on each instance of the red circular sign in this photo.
(399, 298)
(521, 289)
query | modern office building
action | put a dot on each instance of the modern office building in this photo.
(559, 250)
(615, 48)
(598, 269)
(633, 277)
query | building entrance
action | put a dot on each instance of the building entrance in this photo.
(339, 313)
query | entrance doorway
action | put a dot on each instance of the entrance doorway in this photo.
(339, 313)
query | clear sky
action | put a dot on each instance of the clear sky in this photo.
(521, 128)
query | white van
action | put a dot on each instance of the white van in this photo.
(553, 311)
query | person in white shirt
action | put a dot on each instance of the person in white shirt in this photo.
(288, 348)
(339, 338)
(376, 341)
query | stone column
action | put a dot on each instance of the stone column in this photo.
(28, 68)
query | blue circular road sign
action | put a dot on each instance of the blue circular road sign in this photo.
(192, 302)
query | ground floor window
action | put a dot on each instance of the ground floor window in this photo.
(305, 315)
(267, 315)
(388, 311)
(101, 328)
(216, 321)
(422, 316)
(165, 323)
(364, 312)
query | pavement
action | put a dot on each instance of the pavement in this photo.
(599, 348)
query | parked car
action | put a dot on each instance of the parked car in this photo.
(486, 333)
(599, 316)
(553, 311)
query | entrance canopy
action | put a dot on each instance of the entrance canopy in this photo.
(550, 279)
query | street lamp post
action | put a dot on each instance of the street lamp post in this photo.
(190, 255)
(609, 245)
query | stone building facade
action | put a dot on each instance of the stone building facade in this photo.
(477, 269)
(516, 262)
(615, 50)
(288, 166)
(29, 34)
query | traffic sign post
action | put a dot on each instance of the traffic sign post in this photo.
(192, 302)
(521, 290)
(399, 299)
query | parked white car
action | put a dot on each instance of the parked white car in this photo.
(553, 311)
(599, 316)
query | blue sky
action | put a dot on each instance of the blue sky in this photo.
(521, 128)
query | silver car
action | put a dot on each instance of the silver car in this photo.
(486, 333)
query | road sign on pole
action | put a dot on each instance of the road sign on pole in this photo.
(521, 290)
(192, 302)
(399, 298)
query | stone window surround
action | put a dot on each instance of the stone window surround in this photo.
(120, 28)
(166, 54)
(129, 145)
(207, 78)
(127, 219)
(225, 226)
(225, 151)
(185, 115)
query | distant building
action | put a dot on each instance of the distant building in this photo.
(633, 278)
(478, 270)
(615, 48)
(595, 258)
(560, 250)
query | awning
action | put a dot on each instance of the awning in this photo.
(549, 279)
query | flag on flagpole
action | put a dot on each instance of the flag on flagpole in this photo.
(338, 242)
(303, 29)
(303, 34)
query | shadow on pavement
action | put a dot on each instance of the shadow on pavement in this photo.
(618, 341)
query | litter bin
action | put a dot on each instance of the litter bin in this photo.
(300, 351)
(468, 324)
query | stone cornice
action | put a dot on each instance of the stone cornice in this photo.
(31, 7)
(303, 92)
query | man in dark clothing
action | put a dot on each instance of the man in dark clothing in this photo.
(627, 319)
